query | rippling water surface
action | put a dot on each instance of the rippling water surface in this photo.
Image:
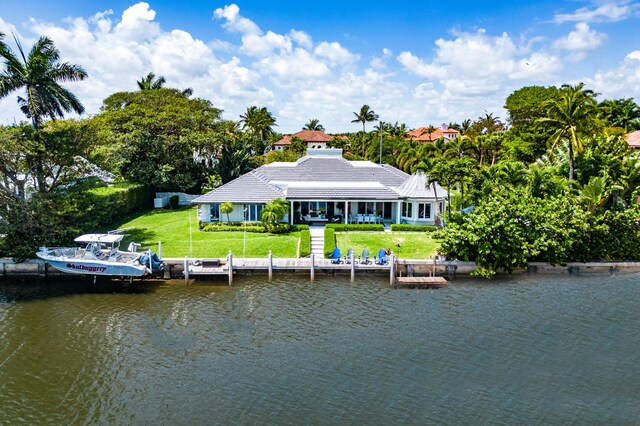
(533, 349)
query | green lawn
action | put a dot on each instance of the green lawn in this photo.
(413, 245)
(172, 228)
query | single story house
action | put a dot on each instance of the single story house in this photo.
(324, 187)
(315, 139)
(423, 135)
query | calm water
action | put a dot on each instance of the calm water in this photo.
(543, 350)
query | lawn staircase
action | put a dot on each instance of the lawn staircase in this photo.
(317, 240)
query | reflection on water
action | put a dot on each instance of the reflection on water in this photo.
(540, 350)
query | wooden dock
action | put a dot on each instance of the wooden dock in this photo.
(420, 282)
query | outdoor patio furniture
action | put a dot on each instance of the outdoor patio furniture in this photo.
(360, 218)
(381, 259)
(347, 258)
(335, 256)
(365, 257)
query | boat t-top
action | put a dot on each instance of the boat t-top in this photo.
(101, 255)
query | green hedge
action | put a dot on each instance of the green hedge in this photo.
(329, 240)
(305, 243)
(98, 207)
(256, 227)
(412, 228)
(341, 227)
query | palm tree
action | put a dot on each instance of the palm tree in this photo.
(150, 82)
(569, 116)
(313, 124)
(365, 115)
(258, 121)
(40, 73)
(226, 208)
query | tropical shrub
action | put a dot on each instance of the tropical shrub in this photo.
(305, 243)
(506, 232)
(173, 202)
(329, 240)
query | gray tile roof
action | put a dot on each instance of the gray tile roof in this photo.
(416, 187)
(249, 188)
(321, 177)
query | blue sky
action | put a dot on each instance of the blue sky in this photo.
(417, 62)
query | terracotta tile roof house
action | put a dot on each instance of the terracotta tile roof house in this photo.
(324, 187)
(422, 134)
(633, 139)
(313, 138)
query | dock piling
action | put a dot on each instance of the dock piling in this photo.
(353, 267)
(270, 256)
(186, 269)
(311, 268)
(230, 263)
(392, 271)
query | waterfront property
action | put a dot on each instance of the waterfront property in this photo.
(323, 187)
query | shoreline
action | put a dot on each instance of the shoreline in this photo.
(175, 267)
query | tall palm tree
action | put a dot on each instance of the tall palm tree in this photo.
(569, 116)
(365, 115)
(313, 124)
(39, 73)
(258, 121)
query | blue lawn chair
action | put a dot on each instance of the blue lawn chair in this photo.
(335, 256)
(382, 257)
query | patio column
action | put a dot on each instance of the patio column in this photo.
(346, 212)
(291, 213)
(399, 213)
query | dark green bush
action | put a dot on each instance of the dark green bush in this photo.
(341, 227)
(329, 240)
(55, 218)
(173, 202)
(257, 227)
(305, 243)
(412, 228)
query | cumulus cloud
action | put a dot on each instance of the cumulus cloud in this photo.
(623, 81)
(583, 38)
(608, 12)
(335, 53)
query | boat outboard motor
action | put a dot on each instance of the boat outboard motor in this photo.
(156, 263)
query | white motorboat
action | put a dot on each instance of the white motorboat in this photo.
(101, 256)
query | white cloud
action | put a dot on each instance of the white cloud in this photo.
(235, 22)
(335, 53)
(608, 12)
(583, 38)
(620, 82)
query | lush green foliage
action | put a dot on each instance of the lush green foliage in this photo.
(329, 240)
(54, 219)
(305, 243)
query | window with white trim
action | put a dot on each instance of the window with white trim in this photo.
(407, 209)
(424, 210)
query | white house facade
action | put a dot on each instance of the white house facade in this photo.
(323, 187)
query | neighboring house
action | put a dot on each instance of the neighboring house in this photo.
(423, 135)
(325, 187)
(633, 139)
(315, 139)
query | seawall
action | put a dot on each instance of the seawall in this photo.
(36, 268)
